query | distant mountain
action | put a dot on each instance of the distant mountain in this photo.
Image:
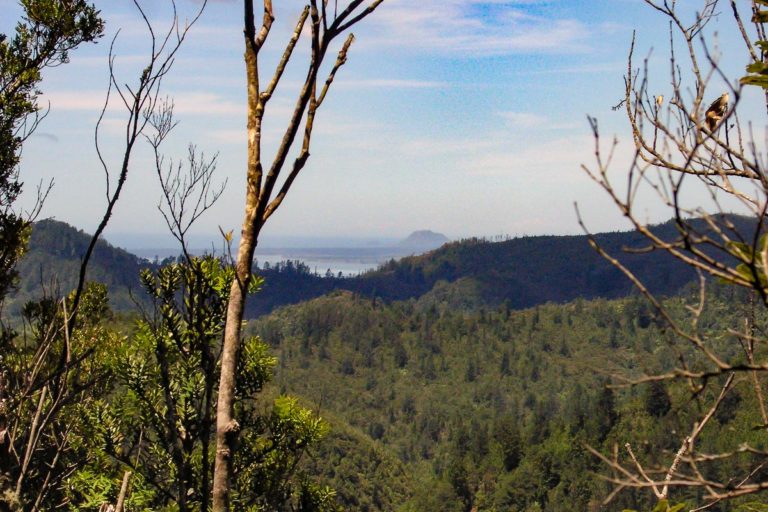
(527, 271)
(424, 240)
(52, 262)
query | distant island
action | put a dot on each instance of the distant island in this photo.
(424, 240)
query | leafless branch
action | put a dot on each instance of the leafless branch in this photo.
(695, 139)
(141, 105)
(260, 203)
(187, 191)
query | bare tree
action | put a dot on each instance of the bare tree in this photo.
(265, 190)
(142, 104)
(689, 138)
(188, 191)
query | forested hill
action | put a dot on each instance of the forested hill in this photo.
(469, 274)
(521, 272)
(525, 271)
(53, 261)
(433, 409)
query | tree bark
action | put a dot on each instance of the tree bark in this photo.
(259, 203)
(123, 492)
(226, 425)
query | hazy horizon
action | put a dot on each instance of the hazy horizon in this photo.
(473, 124)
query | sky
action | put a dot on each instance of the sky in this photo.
(466, 117)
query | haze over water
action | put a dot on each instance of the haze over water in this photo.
(323, 256)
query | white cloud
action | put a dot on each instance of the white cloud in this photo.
(337, 128)
(194, 103)
(616, 67)
(102, 61)
(236, 136)
(205, 103)
(392, 83)
(435, 147)
(49, 137)
(524, 119)
(474, 27)
(505, 155)
(556, 159)
(91, 100)
(527, 120)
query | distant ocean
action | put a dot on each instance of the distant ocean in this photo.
(350, 261)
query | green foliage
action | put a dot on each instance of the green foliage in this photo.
(35, 383)
(268, 455)
(54, 253)
(437, 496)
(312, 497)
(752, 261)
(664, 506)
(752, 507)
(158, 419)
(472, 274)
(656, 399)
(467, 275)
(512, 438)
(90, 489)
(14, 236)
(757, 72)
(49, 30)
(428, 403)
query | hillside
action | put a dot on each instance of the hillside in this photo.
(488, 409)
(52, 262)
(451, 394)
(521, 272)
(468, 274)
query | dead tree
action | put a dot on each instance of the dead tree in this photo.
(142, 103)
(266, 185)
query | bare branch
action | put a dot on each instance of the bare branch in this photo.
(267, 94)
(259, 203)
(140, 108)
(679, 145)
(301, 160)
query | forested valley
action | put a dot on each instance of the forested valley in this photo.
(444, 400)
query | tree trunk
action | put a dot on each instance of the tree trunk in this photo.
(226, 425)
(123, 492)
(259, 203)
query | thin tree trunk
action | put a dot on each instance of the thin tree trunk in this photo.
(226, 425)
(259, 204)
(33, 436)
(123, 492)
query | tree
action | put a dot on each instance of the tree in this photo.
(156, 421)
(264, 191)
(48, 31)
(144, 107)
(40, 397)
(50, 369)
(687, 139)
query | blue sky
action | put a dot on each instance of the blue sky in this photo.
(467, 117)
